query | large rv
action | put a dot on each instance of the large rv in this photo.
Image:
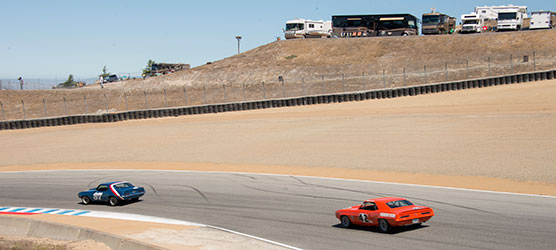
(511, 17)
(303, 28)
(437, 23)
(374, 25)
(483, 19)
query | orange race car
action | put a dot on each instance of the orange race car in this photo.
(385, 213)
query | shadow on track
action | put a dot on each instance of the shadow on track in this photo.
(374, 229)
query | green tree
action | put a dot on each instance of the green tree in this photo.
(147, 71)
(69, 82)
(105, 72)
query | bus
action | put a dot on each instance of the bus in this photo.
(374, 25)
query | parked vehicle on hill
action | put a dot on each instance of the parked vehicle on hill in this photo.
(385, 213)
(436, 23)
(542, 20)
(483, 19)
(511, 18)
(374, 25)
(304, 28)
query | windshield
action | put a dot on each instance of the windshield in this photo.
(399, 203)
(507, 16)
(470, 22)
(431, 19)
(294, 26)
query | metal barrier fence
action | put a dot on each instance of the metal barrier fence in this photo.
(17, 105)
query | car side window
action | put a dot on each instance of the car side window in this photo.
(369, 206)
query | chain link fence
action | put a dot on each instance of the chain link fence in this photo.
(15, 105)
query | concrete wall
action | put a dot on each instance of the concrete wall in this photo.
(16, 226)
(286, 102)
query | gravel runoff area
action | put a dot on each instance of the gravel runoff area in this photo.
(168, 236)
(499, 138)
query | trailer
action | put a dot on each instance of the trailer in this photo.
(542, 20)
(303, 28)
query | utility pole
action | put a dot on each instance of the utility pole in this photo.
(238, 39)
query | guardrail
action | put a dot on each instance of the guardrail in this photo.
(281, 102)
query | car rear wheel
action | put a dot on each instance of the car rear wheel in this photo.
(345, 221)
(85, 200)
(383, 225)
(113, 201)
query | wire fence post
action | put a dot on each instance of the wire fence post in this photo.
(185, 95)
(205, 95)
(467, 68)
(2, 108)
(384, 78)
(283, 88)
(105, 102)
(446, 70)
(512, 63)
(426, 80)
(264, 91)
(224, 89)
(489, 66)
(303, 86)
(146, 100)
(23, 108)
(86, 104)
(363, 78)
(125, 99)
(45, 110)
(165, 98)
(404, 78)
(343, 83)
(65, 105)
(534, 61)
(323, 88)
(243, 90)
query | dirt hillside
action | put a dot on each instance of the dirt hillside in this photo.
(310, 57)
(308, 67)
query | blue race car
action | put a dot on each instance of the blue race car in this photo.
(112, 192)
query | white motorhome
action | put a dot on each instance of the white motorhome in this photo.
(511, 17)
(542, 20)
(303, 28)
(479, 21)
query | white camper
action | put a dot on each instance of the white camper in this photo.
(303, 28)
(481, 20)
(511, 17)
(542, 20)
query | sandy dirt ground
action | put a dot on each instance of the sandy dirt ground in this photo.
(24, 243)
(504, 134)
(167, 236)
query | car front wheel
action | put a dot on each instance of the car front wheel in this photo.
(113, 201)
(85, 200)
(383, 225)
(345, 221)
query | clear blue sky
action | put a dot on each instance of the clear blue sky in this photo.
(48, 39)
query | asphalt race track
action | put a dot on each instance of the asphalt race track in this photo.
(299, 211)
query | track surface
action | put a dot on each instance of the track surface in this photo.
(299, 211)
